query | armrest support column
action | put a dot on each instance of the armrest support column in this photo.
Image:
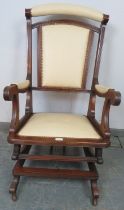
(112, 97)
(11, 94)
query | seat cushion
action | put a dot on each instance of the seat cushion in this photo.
(59, 125)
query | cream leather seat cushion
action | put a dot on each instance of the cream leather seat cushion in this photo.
(59, 125)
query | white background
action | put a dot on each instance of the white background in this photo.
(13, 58)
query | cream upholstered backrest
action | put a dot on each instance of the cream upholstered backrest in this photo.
(63, 59)
(67, 9)
(64, 47)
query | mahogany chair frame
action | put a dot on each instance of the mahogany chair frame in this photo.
(23, 144)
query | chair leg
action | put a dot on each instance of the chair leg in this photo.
(13, 187)
(16, 151)
(19, 163)
(64, 150)
(92, 168)
(98, 154)
(95, 192)
(51, 150)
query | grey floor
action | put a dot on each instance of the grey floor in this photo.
(64, 194)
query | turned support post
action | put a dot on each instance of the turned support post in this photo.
(98, 154)
(16, 152)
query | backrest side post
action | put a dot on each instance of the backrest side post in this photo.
(28, 108)
(39, 55)
(92, 101)
(98, 55)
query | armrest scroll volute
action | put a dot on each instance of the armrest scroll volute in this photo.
(14, 89)
(10, 92)
(113, 96)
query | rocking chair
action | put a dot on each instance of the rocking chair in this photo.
(63, 54)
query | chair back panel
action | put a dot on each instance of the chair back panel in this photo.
(63, 51)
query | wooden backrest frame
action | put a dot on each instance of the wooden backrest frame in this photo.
(100, 30)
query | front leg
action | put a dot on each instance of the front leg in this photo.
(16, 151)
(98, 154)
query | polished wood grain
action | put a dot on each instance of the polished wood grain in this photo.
(55, 173)
(67, 21)
(57, 158)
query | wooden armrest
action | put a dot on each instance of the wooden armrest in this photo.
(110, 94)
(14, 89)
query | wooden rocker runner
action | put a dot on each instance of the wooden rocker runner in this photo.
(63, 54)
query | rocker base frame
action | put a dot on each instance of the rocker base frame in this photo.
(20, 170)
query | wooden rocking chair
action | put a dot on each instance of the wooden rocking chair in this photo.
(63, 54)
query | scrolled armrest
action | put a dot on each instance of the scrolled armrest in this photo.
(113, 96)
(14, 89)
(11, 93)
